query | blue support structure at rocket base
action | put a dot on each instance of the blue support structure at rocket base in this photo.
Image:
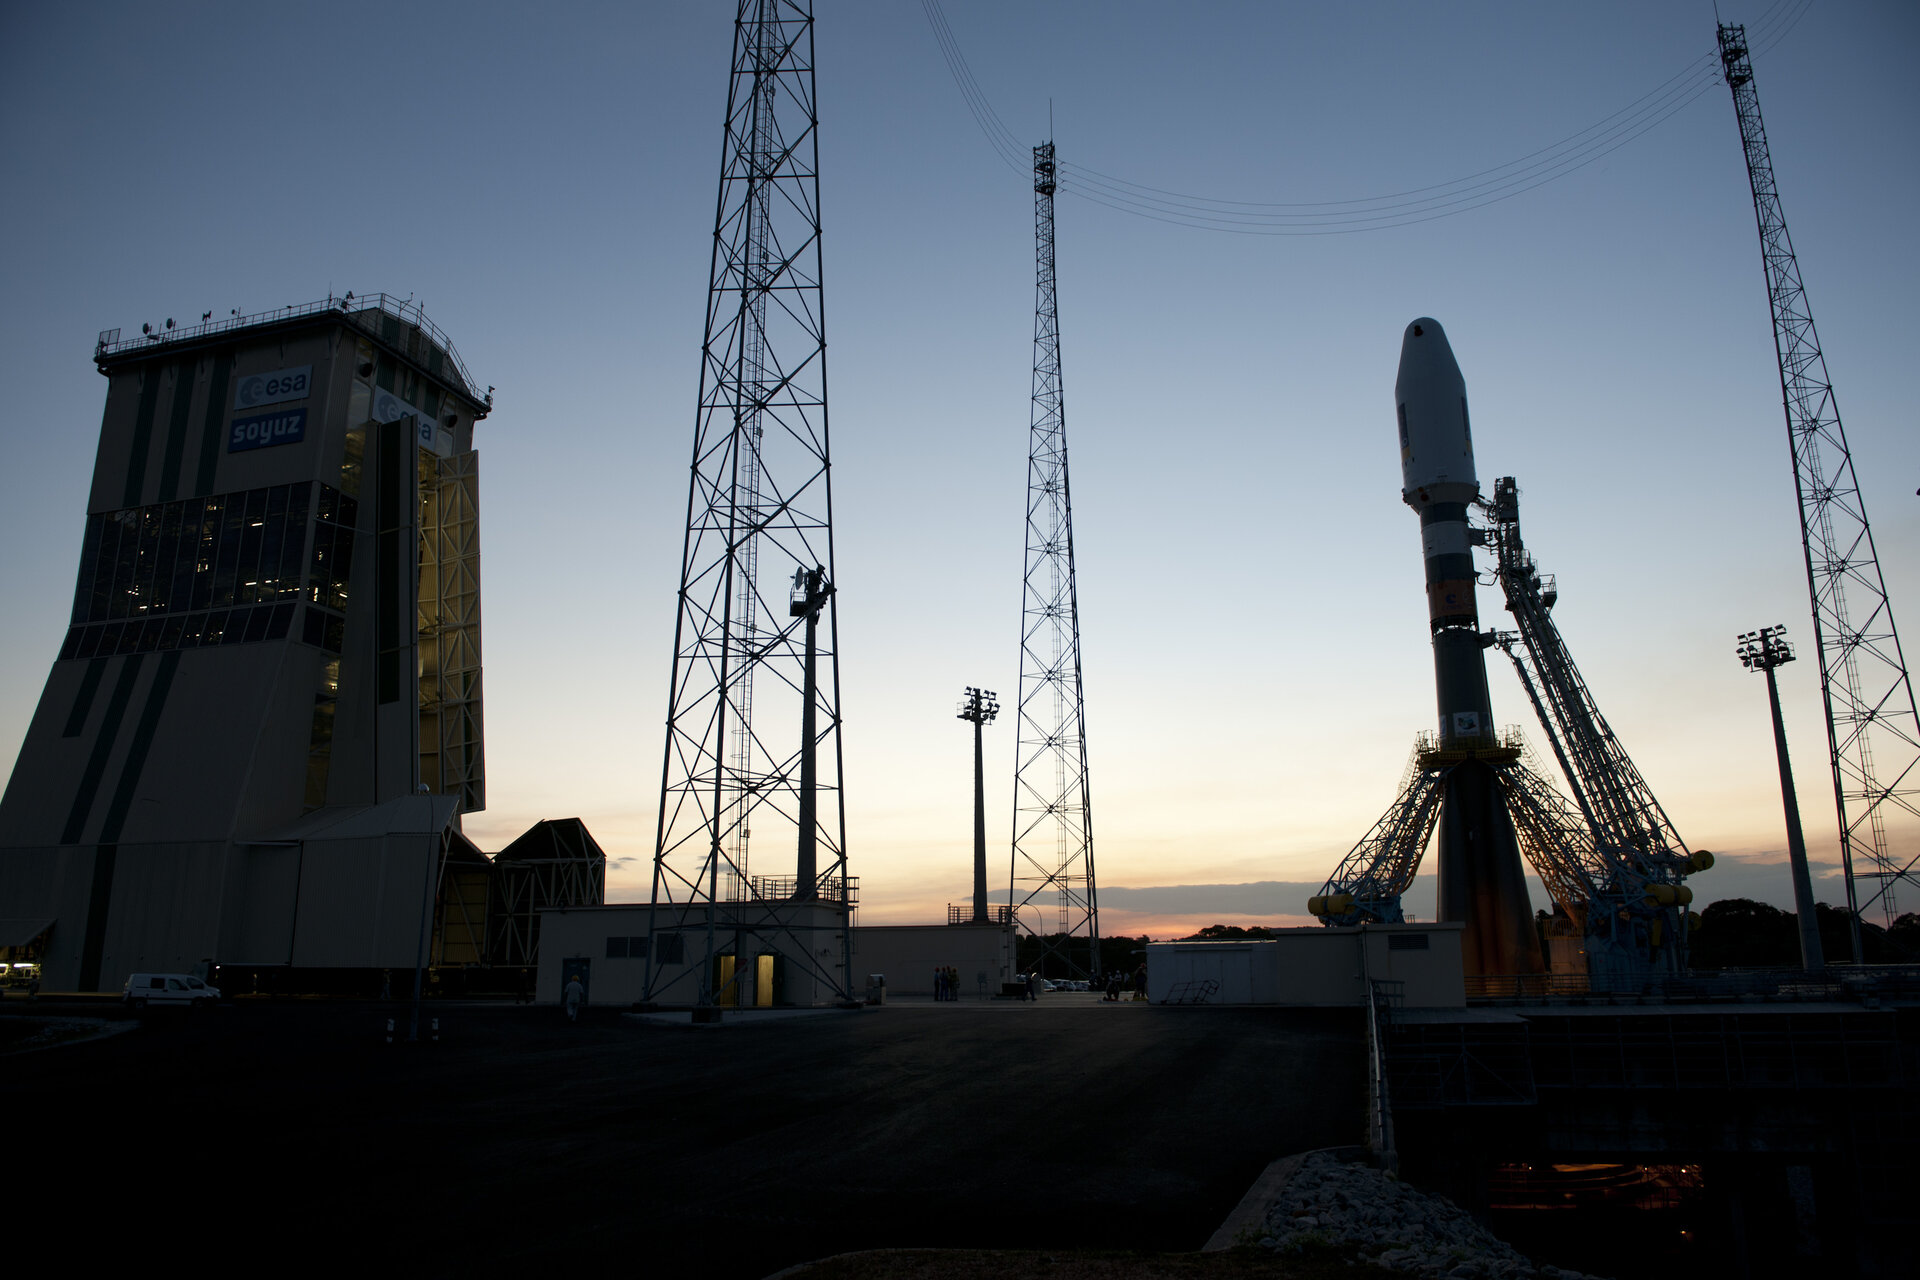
(1629, 925)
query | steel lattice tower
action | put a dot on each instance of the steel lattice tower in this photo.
(759, 517)
(1873, 733)
(1052, 808)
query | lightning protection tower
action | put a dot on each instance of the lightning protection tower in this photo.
(1052, 809)
(1873, 733)
(753, 735)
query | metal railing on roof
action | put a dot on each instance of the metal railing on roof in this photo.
(783, 888)
(997, 913)
(357, 311)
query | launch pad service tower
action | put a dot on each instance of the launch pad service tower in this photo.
(1482, 883)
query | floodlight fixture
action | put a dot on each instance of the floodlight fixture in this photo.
(1765, 649)
(979, 705)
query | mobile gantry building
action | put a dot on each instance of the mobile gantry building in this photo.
(264, 721)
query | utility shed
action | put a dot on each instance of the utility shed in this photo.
(1315, 967)
(769, 954)
(782, 953)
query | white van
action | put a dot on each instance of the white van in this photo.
(143, 989)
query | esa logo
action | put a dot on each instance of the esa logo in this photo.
(286, 427)
(274, 388)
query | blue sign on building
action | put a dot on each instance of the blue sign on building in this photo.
(267, 429)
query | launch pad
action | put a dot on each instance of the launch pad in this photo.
(1610, 859)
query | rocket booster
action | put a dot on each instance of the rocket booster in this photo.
(1438, 482)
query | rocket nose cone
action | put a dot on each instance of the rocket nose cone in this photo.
(1426, 357)
(1430, 398)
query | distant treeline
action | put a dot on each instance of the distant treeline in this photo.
(1067, 957)
(1739, 933)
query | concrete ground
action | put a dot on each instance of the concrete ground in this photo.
(292, 1131)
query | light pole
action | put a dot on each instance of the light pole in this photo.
(810, 592)
(979, 707)
(1762, 651)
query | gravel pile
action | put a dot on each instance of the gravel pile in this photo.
(1360, 1212)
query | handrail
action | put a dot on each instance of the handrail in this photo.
(349, 308)
(997, 913)
(1379, 1109)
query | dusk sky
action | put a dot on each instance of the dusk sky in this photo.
(1254, 629)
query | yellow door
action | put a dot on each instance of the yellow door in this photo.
(763, 982)
(725, 992)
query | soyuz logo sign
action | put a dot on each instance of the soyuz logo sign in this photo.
(288, 427)
(274, 388)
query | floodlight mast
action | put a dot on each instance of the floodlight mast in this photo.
(810, 593)
(1762, 651)
(979, 707)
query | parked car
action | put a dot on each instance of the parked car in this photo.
(143, 989)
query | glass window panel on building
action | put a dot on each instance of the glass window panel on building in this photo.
(164, 564)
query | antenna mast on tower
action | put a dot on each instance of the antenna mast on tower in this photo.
(1873, 732)
(1052, 809)
(753, 731)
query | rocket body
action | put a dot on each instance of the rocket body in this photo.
(1438, 482)
(1482, 883)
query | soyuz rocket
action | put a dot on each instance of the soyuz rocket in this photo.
(1482, 883)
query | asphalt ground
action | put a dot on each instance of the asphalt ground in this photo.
(291, 1133)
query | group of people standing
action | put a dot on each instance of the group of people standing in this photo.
(946, 983)
(1118, 982)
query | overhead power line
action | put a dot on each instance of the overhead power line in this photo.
(1368, 213)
